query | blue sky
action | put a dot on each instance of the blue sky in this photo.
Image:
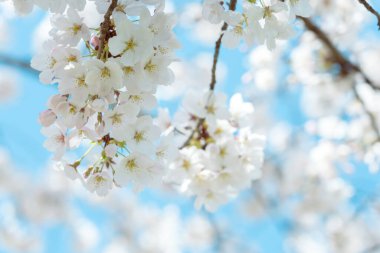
(20, 133)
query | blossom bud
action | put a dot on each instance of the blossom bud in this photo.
(95, 42)
(55, 100)
(47, 118)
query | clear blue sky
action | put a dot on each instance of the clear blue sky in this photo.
(20, 133)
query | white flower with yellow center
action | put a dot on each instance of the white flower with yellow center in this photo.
(69, 28)
(133, 42)
(73, 83)
(155, 70)
(118, 118)
(188, 162)
(54, 60)
(135, 169)
(141, 135)
(146, 101)
(210, 106)
(100, 183)
(102, 77)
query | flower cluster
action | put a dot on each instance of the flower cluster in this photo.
(221, 155)
(106, 93)
(100, 127)
(263, 22)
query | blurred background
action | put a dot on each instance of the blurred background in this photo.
(319, 189)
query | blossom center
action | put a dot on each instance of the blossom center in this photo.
(128, 70)
(223, 152)
(99, 180)
(72, 58)
(131, 164)
(135, 98)
(150, 67)
(238, 30)
(116, 118)
(210, 109)
(53, 61)
(76, 28)
(81, 81)
(186, 164)
(60, 138)
(267, 12)
(130, 45)
(105, 73)
(139, 136)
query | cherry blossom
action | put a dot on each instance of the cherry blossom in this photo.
(309, 101)
(107, 78)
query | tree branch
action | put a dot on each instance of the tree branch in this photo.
(373, 248)
(17, 63)
(346, 68)
(339, 58)
(195, 130)
(105, 26)
(372, 10)
(218, 44)
(371, 116)
(218, 234)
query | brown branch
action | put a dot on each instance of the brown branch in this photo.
(372, 10)
(105, 26)
(346, 68)
(345, 65)
(218, 44)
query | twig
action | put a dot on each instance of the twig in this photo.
(17, 63)
(373, 248)
(372, 118)
(105, 26)
(343, 62)
(218, 43)
(218, 234)
(372, 10)
(346, 68)
(188, 140)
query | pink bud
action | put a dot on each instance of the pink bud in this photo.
(47, 118)
(94, 41)
(55, 100)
